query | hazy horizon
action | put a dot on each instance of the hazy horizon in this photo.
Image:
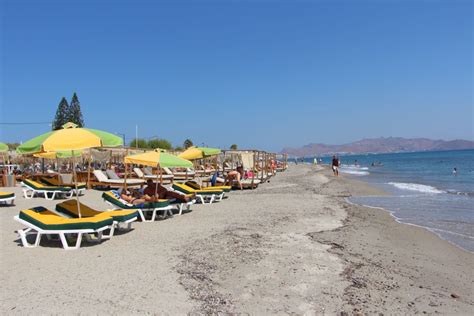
(267, 75)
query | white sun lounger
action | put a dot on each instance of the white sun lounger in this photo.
(32, 188)
(32, 229)
(104, 180)
(6, 197)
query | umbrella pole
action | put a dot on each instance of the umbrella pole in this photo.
(156, 186)
(74, 175)
(161, 176)
(125, 184)
(89, 169)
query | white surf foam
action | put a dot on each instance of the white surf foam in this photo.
(354, 172)
(416, 187)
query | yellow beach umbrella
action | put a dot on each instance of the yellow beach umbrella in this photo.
(194, 153)
(158, 159)
(71, 139)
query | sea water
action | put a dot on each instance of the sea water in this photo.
(424, 189)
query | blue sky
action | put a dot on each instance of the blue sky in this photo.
(261, 74)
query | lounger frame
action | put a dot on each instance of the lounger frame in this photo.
(6, 200)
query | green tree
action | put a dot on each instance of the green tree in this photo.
(178, 148)
(74, 113)
(138, 141)
(61, 116)
(233, 147)
(187, 143)
(159, 143)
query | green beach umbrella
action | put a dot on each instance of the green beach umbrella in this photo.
(69, 138)
(199, 153)
(158, 159)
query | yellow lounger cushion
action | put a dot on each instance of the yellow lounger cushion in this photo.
(188, 190)
(6, 195)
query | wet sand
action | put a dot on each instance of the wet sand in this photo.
(294, 245)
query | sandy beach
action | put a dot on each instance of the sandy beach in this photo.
(293, 246)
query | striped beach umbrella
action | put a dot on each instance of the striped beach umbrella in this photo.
(158, 159)
(194, 153)
(70, 139)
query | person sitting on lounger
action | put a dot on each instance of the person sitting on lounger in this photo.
(132, 197)
(155, 191)
(236, 174)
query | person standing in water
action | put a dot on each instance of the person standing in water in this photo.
(455, 171)
(335, 165)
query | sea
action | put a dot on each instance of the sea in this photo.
(425, 190)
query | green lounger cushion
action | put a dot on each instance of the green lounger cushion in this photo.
(6, 195)
(196, 186)
(69, 208)
(41, 187)
(110, 197)
(45, 219)
(188, 190)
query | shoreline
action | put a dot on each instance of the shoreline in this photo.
(431, 230)
(294, 245)
(409, 224)
(419, 243)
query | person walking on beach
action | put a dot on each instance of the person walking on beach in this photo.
(335, 165)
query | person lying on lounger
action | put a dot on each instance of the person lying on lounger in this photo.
(236, 174)
(155, 191)
(132, 197)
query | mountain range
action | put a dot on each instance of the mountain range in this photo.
(380, 145)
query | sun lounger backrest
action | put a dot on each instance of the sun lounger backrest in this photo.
(112, 175)
(66, 178)
(99, 174)
(148, 171)
(167, 170)
(139, 172)
(69, 208)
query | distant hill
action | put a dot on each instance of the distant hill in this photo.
(381, 145)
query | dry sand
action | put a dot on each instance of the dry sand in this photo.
(294, 245)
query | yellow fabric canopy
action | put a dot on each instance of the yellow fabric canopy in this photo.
(192, 154)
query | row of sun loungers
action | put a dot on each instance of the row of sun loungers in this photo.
(95, 225)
